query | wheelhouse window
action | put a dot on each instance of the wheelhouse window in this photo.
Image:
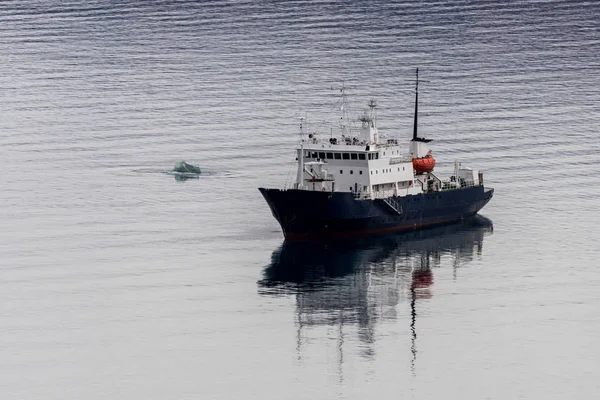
(361, 156)
(337, 156)
(345, 156)
(353, 156)
(322, 156)
(329, 156)
(314, 154)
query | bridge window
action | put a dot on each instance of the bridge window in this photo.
(338, 156)
(345, 156)
(361, 156)
(322, 156)
(353, 156)
(329, 156)
(314, 154)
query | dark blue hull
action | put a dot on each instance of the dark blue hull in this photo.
(309, 214)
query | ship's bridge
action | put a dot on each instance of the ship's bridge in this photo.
(359, 161)
(349, 164)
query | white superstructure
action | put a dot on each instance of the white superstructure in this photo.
(366, 165)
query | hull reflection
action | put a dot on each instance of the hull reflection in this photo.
(310, 265)
(356, 282)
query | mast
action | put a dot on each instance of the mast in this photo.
(300, 174)
(416, 105)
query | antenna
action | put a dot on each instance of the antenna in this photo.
(303, 121)
(417, 80)
(343, 107)
(372, 105)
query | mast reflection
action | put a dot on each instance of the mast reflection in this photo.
(356, 282)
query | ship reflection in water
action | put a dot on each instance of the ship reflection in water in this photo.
(360, 281)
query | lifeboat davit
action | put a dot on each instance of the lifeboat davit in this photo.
(423, 164)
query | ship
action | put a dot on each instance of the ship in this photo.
(361, 182)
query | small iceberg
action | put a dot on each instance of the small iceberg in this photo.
(185, 168)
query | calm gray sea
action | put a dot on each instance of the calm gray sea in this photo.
(119, 282)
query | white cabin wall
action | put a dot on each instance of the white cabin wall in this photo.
(383, 172)
(348, 173)
(367, 133)
(390, 171)
(468, 175)
(418, 149)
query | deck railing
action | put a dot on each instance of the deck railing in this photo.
(453, 185)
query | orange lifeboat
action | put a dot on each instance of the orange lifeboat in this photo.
(423, 164)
